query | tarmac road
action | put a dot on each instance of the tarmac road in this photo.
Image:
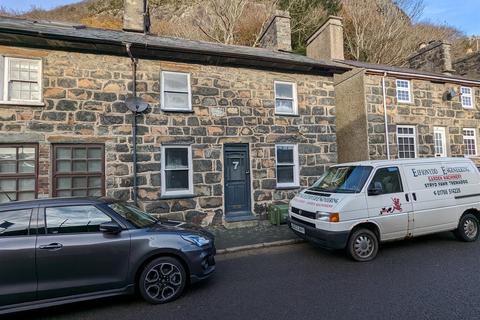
(434, 277)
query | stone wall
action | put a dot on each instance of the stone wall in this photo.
(468, 66)
(84, 94)
(429, 109)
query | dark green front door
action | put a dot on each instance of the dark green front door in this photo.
(237, 180)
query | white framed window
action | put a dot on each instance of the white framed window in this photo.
(176, 92)
(406, 142)
(287, 165)
(470, 141)
(466, 96)
(20, 80)
(403, 91)
(177, 170)
(440, 141)
(285, 98)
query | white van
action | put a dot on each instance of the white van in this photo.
(355, 206)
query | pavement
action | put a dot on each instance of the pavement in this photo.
(263, 235)
(433, 277)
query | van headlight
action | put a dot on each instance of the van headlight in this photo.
(196, 240)
(328, 217)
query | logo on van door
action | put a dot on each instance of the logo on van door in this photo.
(396, 207)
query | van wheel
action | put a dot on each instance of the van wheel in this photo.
(467, 228)
(162, 280)
(363, 245)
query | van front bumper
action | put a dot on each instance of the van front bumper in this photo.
(323, 238)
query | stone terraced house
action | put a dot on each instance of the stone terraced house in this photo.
(228, 130)
(425, 109)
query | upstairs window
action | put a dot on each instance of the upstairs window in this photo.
(18, 172)
(176, 92)
(285, 98)
(403, 91)
(177, 173)
(466, 96)
(20, 80)
(287, 165)
(406, 142)
(470, 142)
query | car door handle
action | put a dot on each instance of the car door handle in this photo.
(51, 246)
(407, 197)
(414, 196)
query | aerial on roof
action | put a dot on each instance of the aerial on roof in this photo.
(406, 71)
(47, 34)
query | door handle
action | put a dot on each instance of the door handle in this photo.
(51, 246)
(414, 196)
(407, 197)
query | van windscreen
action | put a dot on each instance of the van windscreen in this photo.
(348, 179)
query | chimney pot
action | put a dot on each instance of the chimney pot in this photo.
(327, 42)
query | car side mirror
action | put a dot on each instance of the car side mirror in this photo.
(110, 227)
(376, 189)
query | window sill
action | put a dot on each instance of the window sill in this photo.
(22, 103)
(177, 196)
(287, 114)
(177, 110)
(288, 187)
(468, 108)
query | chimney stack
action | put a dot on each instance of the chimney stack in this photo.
(277, 34)
(327, 42)
(433, 57)
(135, 16)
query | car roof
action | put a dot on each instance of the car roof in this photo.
(55, 201)
(379, 163)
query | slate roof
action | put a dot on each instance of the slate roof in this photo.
(48, 34)
(407, 71)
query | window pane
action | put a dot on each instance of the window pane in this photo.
(285, 106)
(79, 182)
(176, 158)
(8, 153)
(94, 153)
(8, 167)
(64, 193)
(284, 90)
(63, 166)
(79, 166)
(176, 101)
(94, 192)
(26, 166)
(64, 153)
(285, 154)
(175, 82)
(64, 183)
(79, 153)
(14, 222)
(94, 166)
(8, 184)
(26, 184)
(94, 182)
(285, 174)
(26, 153)
(74, 219)
(176, 180)
(79, 193)
(26, 196)
(388, 179)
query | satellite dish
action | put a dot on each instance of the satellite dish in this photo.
(136, 104)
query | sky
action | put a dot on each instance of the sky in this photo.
(462, 14)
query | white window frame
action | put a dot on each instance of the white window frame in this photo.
(403, 135)
(188, 92)
(467, 95)
(184, 192)
(408, 90)
(472, 137)
(294, 98)
(443, 135)
(5, 80)
(296, 171)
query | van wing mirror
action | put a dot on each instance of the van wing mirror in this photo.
(110, 227)
(376, 189)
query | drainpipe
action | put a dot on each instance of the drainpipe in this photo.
(387, 140)
(134, 124)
